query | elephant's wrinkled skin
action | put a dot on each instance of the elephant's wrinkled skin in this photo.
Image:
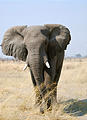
(42, 47)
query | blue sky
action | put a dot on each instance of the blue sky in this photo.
(71, 13)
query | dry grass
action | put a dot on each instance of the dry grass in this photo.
(17, 93)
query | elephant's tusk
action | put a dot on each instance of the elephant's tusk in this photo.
(25, 67)
(47, 64)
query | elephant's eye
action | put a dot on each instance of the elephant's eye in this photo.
(56, 31)
(46, 44)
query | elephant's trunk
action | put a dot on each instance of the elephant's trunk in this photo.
(36, 63)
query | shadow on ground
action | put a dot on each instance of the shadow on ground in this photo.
(75, 107)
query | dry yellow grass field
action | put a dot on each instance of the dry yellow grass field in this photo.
(17, 93)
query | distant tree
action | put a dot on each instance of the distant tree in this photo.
(78, 55)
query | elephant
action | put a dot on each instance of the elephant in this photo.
(42, 47)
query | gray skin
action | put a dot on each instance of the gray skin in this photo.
(36, 45)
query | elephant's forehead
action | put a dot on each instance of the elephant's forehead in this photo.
(36, 34)
(36, 28)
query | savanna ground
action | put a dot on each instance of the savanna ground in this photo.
(17, 93)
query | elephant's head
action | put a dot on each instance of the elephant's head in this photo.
(19, 41)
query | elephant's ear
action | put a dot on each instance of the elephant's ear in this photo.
(13, 43)
(60, 34)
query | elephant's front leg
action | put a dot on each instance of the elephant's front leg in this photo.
(51, 80)
(55, 83)
(51, 87)
(48, 82)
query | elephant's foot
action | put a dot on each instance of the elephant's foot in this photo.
(41, 110)
(38, 101)
(45, 106)
(49, 107)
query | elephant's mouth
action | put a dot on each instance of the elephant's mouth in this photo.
(47, 65)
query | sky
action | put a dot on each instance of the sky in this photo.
(70, 13)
